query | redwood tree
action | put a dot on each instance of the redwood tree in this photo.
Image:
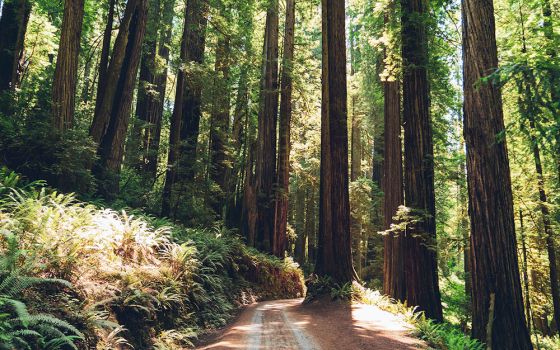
(266, 141)
(283, 166)
(111, 122)
(393, 268)
(334, 254)
(66, 72)
(420, 255)
(187, 110)
(153, 83)
(497, 304)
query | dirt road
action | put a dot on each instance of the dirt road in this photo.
(289, 325)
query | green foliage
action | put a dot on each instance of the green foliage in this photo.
(444, 336)
(152, 277)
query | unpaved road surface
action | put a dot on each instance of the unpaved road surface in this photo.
(289, 325)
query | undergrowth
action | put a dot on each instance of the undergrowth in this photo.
(136, 281)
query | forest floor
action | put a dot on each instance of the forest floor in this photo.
(291, 325)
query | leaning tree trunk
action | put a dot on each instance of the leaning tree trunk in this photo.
(420, 254)
(497, 301)
(117, 114)
(283, 174)
(66, 71)
(334, 256)
(13, 25)
(266, 142)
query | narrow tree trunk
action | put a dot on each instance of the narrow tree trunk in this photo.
(527, 295)
(495, 269)
(220, 122)
(266, 144)
(185, 121)
(334, 256)
(299, 252)
(310, 225)
(13, 25)
(355, 172)
(420, 257)
(283, 170)
(249, 216)
(66, 71)
(124, 65)
(192, 94)
(393, 274)
(105, 53)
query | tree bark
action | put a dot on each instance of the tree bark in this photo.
(266, 141)
(220, 122)
(393, 269)
(153, 83)
(66, 71)
(105, 53)
(13, 25)
(187, 110)
(117, 102)
(283, 170)
(334, 256)
(420, 248)
(494, 262)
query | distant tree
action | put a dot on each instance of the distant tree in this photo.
(153, 83)
(283, 164)
(266, 140)
(185, 123)
(497, 303)
(66, 72)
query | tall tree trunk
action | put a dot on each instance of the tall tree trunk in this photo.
(283, 173)
(13, 25)
(192, 94)
(527, 295)
(299, 216)
(105, 53)
(420, 257)
(124, 65)
(496, 286)
(334, 256)
(153, 82)
(355, 172)
(528, 112)
(266, 142)
(393, 272)
(310, 224)
(187, 110)
(249, 215)
(66, 71)
(220, 122)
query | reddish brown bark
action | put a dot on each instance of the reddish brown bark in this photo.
(66, 71)
(334, 256)
(496, 286)
(284, 145)
(393, 269)
(420, 255)
(266, 141)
